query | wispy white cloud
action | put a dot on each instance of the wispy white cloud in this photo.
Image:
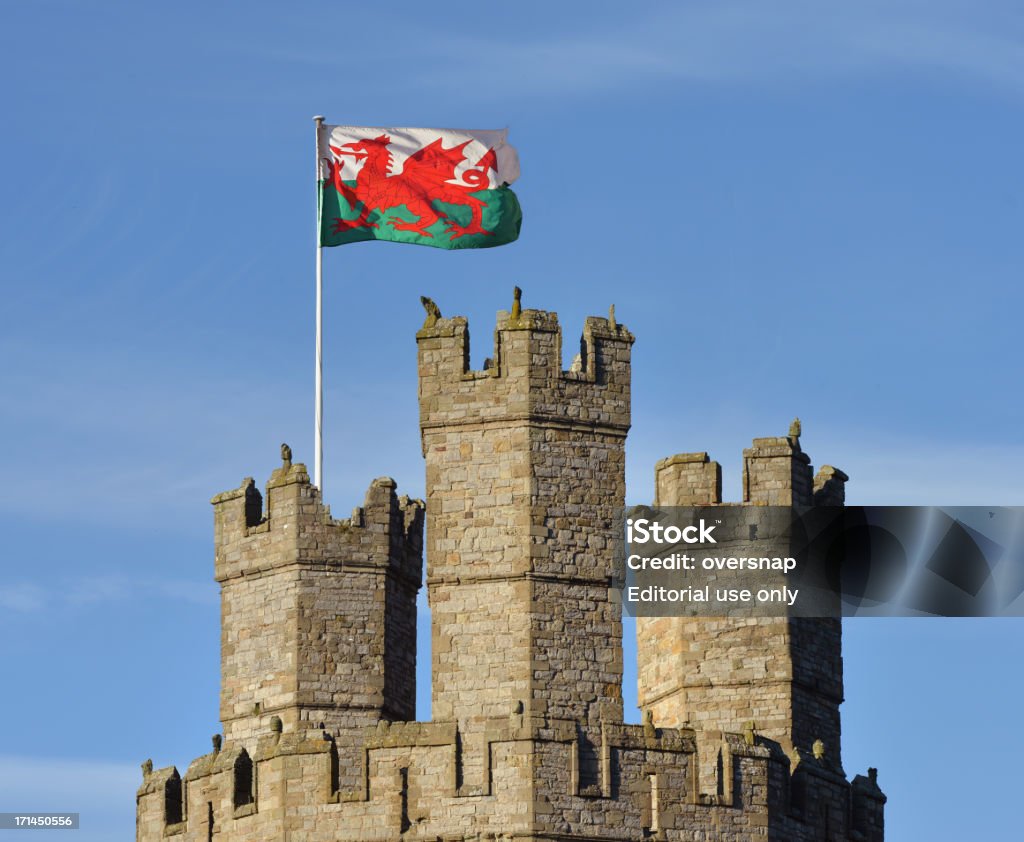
(28, 597)
(22, 597)
(728, 41)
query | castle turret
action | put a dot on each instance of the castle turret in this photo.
(318, 616)
(784, 674)
(525, 479)
(778, 679)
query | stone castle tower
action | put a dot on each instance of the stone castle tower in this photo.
(525, 477)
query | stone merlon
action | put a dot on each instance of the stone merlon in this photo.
(524, 379)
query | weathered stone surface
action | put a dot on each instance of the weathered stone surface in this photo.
(525, 477)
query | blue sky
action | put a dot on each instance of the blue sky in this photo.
(799, 208)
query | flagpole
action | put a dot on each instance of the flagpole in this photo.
(318, 424)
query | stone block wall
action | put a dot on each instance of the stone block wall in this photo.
(525, 479)
(318, 616)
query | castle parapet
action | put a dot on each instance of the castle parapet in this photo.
(386, 531)
(337, 594)
(524, 379)
(625, 781)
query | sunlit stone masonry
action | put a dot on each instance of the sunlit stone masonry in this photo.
(740, 733)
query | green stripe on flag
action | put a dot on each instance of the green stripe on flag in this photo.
(500, 215)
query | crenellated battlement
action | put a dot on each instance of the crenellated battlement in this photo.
(340, 595)
(776, 472)
(524, 379)
(298, 528)
(619, 781)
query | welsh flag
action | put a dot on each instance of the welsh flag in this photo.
(447, 188)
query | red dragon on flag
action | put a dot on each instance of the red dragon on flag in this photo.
(433, 191)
